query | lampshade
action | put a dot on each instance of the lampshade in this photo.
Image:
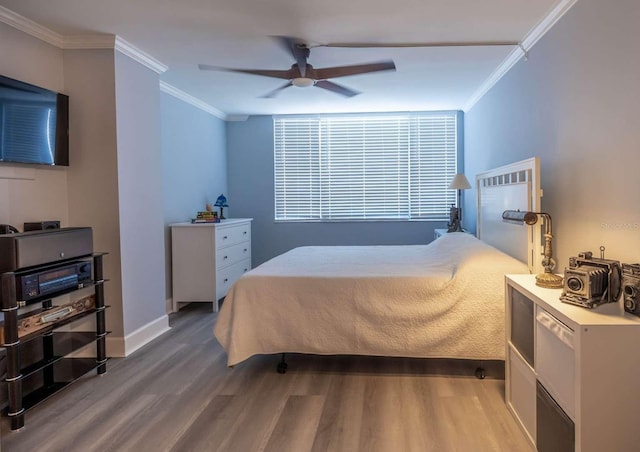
(221, 201)
(459, 182)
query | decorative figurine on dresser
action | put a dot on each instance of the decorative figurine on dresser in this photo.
(48, 279)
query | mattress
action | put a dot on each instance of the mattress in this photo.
(441, 300)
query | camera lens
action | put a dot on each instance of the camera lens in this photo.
(630, 305)
(574, 284)
(630, 290)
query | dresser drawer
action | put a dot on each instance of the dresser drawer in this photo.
(232, 235)
(232, 254)
(225, 277)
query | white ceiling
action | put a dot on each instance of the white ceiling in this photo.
(235, 33)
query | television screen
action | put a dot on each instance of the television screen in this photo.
(34, 124)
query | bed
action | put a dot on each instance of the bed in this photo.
(440, 300)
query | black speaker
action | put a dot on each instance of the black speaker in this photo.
(40, 225)
(7, 229)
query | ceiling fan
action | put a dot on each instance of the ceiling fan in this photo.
(302, 74)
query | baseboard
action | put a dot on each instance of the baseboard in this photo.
(119, 347)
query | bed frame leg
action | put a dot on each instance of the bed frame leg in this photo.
(282, 365)
(480, 372)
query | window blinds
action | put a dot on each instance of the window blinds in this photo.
(365, 167)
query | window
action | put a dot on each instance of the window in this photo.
(365, 167)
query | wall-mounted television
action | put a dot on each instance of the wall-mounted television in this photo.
(34, 124)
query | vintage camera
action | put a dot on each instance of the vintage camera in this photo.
(590, 282)
(631, 288)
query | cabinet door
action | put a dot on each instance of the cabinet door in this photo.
(522, 391)
(556, 431)
(555, 360)
(522, 324)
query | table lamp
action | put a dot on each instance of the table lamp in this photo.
(459, 183)
(222, 203)
(547, 279)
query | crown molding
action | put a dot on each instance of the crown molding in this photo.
(102, 41)
(237, 118)
(93, 41)
(30, 27)
(545, 24)
(188, 98)
(522, 50)
(138, 55)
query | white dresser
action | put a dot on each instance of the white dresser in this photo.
(571, 372)
(207, 258)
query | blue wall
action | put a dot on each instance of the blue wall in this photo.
(574, 104)
(194, 158)
(139, 182)
(251, 193)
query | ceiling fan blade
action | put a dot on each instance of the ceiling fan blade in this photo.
(298, 50)
(288, 74)
(342, 71)
(372, 45)
(338, 89)
(273, 93)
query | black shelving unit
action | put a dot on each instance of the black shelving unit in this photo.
(31, 383)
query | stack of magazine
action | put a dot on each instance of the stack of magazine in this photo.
(206, 217)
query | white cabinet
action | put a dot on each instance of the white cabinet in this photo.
(571, 372)
(207, 258)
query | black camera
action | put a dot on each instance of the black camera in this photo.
(590, 282)
(631, 288)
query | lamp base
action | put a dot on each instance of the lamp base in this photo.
(455, 227)
(549, 280)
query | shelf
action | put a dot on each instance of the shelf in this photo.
(37, 369)
(66, 371)
(63, 344)
(58, 324)
(69, 290)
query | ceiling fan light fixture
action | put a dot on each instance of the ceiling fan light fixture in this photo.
(302, 82)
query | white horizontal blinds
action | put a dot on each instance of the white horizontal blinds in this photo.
(433, 165)
(364, 166)
(297, 169)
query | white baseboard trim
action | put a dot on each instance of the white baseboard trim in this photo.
(120, 347)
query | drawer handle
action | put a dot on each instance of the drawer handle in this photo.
(245, 250)
(225, 257)
(224, 238)
(245, 270)
(245, 232)
(226, 280)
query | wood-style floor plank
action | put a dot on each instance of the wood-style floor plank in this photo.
(176, 394)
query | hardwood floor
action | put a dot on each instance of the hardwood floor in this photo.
(176, 394)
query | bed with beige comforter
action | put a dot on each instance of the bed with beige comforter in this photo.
(441, 300)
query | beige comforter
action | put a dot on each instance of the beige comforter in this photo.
(442, 300)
